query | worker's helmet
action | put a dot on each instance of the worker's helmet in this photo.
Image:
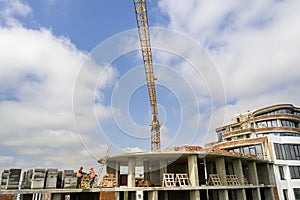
(80, 167)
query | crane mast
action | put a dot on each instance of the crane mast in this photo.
(143, 29)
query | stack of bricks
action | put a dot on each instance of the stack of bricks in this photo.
(23, 182)
(38, 179)
(4, 178)
(69, 179)
(7, 196)
(51, 178)
(108, 181)
(185, 148)
(27, 179)
(85, 181)
(107, 195)
(13, 179)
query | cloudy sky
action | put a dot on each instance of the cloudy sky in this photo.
(72, 79)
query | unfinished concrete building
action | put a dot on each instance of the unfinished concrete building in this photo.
(182, 173)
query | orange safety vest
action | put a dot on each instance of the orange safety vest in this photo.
(92, 174)
(79, 174)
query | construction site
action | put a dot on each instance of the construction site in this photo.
(187, 172)
(184, 172)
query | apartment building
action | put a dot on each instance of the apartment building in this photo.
(270, 133)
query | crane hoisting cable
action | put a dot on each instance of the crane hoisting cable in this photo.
(143, 29)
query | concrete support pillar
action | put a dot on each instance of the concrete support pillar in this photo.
(195, 195)
(223, 194)
(253, 178)
(131, 172)
(146, 170)
(162, 169)
(272, 175)
(241, 194)
(193, 170)
(221, 169)
(166, 195)
(268, 193)
(117, 172)
(256, 194)
(153, 195)
(117, 195)
(57, 196)
(238, 170)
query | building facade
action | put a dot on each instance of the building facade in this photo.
(270, 133)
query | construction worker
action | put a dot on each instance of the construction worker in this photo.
(92, 176)
(79, 175)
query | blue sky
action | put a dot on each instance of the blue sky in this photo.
(72, 78)
(86, 24)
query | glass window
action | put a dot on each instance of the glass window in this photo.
(246, 150)
(297, 193)
(259, 149)
(285, 194)
(295, 172)
(292, 124)
(269, 123)
(292, 172)
(252, 150)
(281, 172)
(284, 123)
(274, 123)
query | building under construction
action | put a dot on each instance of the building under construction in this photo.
(188, 172)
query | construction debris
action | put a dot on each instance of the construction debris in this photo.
(208, 150)
(13, 179)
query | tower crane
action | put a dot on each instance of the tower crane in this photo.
(143, 29)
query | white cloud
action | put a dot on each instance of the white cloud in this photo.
(255, 46)
(10, 9)
(38, 71)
